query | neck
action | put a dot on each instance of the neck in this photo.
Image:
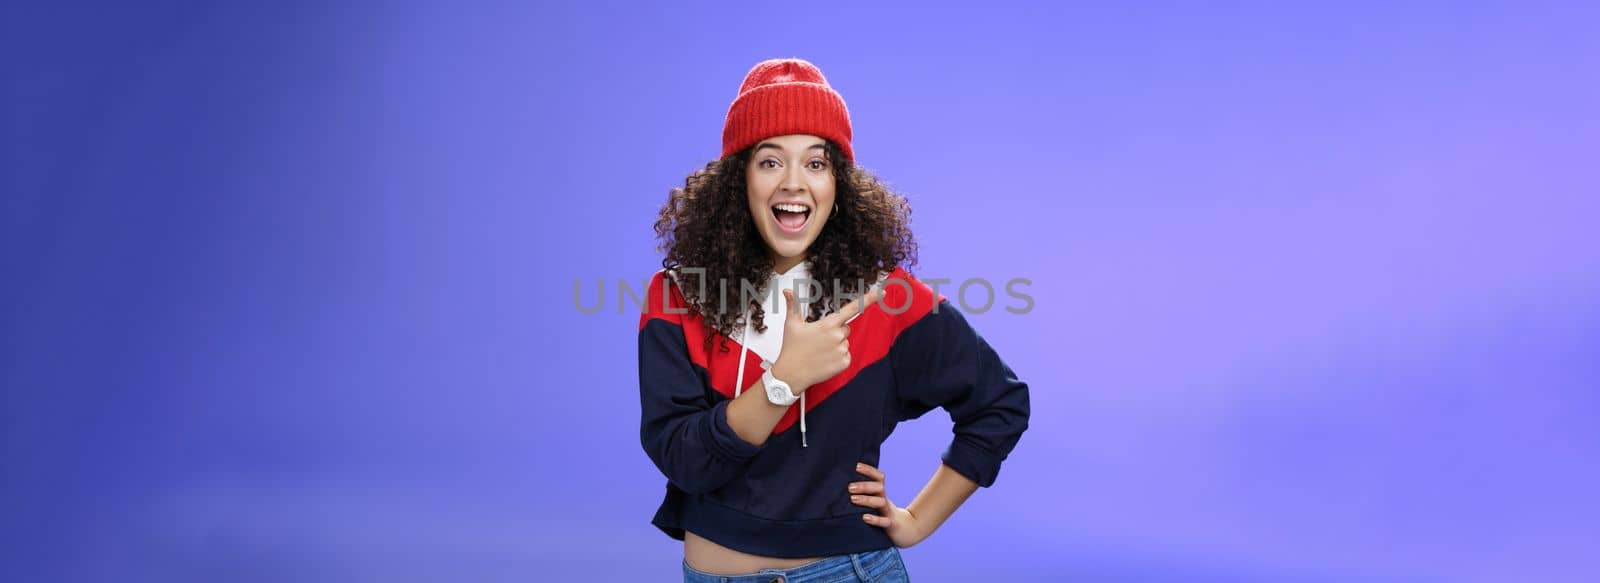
(784, 264)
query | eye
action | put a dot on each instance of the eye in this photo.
(818, 164)
(764, 163)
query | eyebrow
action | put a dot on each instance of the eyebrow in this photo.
(766, 145)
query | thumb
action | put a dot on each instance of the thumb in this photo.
(793, 306)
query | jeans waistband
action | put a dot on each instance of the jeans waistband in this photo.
(865, 566)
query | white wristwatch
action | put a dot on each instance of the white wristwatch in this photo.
(778, 392)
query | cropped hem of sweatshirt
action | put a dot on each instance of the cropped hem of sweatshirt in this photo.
(910, 353)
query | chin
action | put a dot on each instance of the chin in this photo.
(790, 250)
(790, 255)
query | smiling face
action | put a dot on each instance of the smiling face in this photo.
(791, 189)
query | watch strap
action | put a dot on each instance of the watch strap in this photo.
(767, 381)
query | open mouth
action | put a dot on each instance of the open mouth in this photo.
(791, 217)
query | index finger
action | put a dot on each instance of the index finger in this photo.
(871, 472)
(856, 307)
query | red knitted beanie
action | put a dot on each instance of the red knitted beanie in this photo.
(781, 97)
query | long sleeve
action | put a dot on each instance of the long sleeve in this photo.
(684, 433)
(941, 361)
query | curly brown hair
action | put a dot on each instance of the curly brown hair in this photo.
(706, 224)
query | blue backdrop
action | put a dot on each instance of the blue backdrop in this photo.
(288, 289)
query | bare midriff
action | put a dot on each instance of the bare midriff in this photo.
(709, 557)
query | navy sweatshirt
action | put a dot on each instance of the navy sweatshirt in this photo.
(910, 353)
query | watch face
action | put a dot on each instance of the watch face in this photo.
(778, 390)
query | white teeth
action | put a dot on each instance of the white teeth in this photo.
(793, 208)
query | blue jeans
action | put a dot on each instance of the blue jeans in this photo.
(882, 566)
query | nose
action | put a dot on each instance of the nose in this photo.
(793, 181)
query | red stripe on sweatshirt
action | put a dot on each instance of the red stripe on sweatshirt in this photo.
(906, 300)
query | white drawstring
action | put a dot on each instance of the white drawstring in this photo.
(806, 309)
(738, 386)
(802, 419)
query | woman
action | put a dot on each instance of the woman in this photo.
(766, 411)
